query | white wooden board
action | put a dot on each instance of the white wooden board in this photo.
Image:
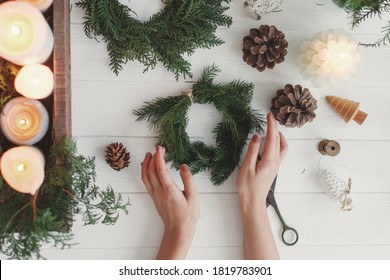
(102, 106)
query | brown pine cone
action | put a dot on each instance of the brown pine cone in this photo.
(264, 47)
(117, 156)
(293, 107)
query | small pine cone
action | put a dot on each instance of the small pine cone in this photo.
(117, 156)
(264, 47)
(293, 107)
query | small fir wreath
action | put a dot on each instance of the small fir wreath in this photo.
(179, 29)
(169, 118)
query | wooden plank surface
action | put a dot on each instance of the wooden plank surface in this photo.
(102, 105)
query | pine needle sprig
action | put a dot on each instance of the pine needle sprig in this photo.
(168, 117)
(362, 10)
(179, 29)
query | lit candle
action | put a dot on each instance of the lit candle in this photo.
(23, 168)
(329, 57)
(35, 81)
(24, 121)
(25, 36)
(41, 5)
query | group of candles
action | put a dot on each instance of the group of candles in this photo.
(26, 39)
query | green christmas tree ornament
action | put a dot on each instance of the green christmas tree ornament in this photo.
(168, 117)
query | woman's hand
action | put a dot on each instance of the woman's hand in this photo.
(256, 176)
(178, 210)
(253, 183)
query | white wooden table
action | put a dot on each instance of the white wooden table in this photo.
(102, 107)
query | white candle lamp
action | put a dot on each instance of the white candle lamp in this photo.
(41, 5)
(35, 81)
(23, 168)
(24, 121)
(25, 36)
(329, 57)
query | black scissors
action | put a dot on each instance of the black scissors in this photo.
(271, 201)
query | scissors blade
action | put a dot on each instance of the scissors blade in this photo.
(270, 197)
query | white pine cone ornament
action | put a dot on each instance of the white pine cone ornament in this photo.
(264, 47)
(336, 188)
(256, 8)
(117, 156)
(294, 106)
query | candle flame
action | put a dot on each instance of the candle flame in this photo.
(21, 167)
(22, 121)
(15, 30)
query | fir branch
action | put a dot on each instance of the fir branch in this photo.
(179, 29)
(362, 10)
(383, 41)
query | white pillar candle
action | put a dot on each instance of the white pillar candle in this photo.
(329, 57)
(35, 81)
(41, 5)
(23, 168)
(24, 121)
(25, 36)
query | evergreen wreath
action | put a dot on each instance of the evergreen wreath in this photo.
(180, 28)
(169, 118)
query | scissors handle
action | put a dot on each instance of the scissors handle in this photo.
(295, 233)
(286, 229)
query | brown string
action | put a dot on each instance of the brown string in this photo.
(188, 93)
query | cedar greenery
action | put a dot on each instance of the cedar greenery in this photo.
(169, 118)
(28, 222)
(179, 29)
(361, 10)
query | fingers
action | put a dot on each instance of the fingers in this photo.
(272, 141)
(152, 171)
(189, 183)
(162, 173)
(283, 146)
(144, 173)
(253, 152)
(155, 175)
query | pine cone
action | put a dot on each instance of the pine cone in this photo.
(264, 47)
(117, 156)
(293, 107)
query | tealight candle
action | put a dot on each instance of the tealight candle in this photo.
(24, 121)
(35, 81)
(23, 168)
(25, 36)
(41, 5)
(329, 57)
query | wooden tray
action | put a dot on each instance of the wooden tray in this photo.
(61, 68)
